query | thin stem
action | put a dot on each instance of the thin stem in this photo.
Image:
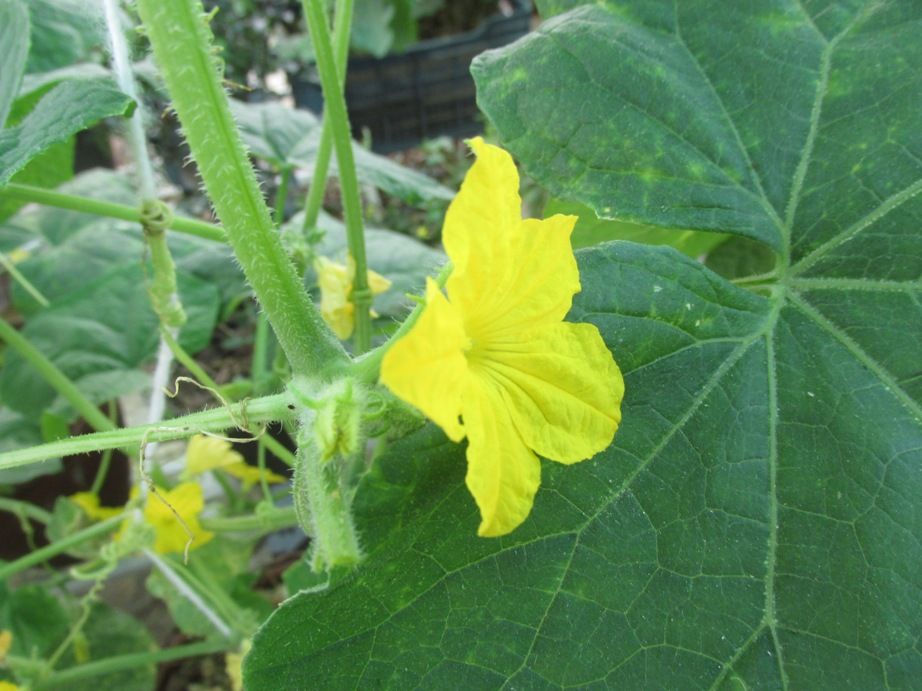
(110, 525)
(55, 377)
(338, 118)
(182, 47)
(124, 76)
(103, 469)
(247, 413)
(280, 452)
(258, 370)
(342, 21)
(187, 361)
(192, 594)
(281, 196)
(367, 368)
(17, 276)
(98, 207)
(262, 521)
(261, 464)
(24, 509)
(118, 663)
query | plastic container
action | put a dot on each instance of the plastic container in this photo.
(424, 92)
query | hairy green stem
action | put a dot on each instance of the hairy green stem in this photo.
(163, 289)
(322, 506)
(182, 46)
(342, 22)
(338, 119)
(91, 670)
(275, 446)
(55, 377)
(110, 525)
(248, 413)
(98, 207)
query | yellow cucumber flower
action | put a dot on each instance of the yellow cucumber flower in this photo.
(89, 503)
(494, 361)
(6, 642)
(336, 306)
(8, 686)
(187, 501)
(206, 453)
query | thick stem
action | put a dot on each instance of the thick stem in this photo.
(55, 377)
(338, 119)
(342, 22)
(247, 413)
(98, 207)
(322, 506)
(182, 45)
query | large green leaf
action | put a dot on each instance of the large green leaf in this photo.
(289, 138)
(65, 110)
(756, 522)
(63, 32)
(14, 49)
(100, 335)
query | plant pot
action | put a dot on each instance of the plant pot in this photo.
(424, 92)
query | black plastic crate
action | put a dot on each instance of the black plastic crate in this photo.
(423, 92)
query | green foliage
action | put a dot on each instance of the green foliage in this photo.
(66, 109)
(591, 230)
(14, 49)
(288, 138)
(755, 523)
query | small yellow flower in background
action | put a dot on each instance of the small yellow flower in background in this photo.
(336, 306)
(206, 453)
(495, 361)
(89, 502)
(6, 642)
(187, 501)
(8, 686)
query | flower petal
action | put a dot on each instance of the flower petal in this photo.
(335, 281)
(502, 473)
(563, 389)
(187, 501)
(427, 367)
(486, 208)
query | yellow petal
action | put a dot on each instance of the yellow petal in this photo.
(8, 686)
(563, 389)
(89, 503)
(187, 502)
(335, 282)
(502, 473)
(427, 367)
(485, 208)
(377, 283)
(6, 642)
(204, 453)
(249, 475)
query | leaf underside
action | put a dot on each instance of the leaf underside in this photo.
(756, 522)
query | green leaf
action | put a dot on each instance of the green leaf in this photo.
(19, 432)
(100, 335)
(34, 617)
(63, 32)
(14, 49)
(591, 230)
(371, 27)
(68, 108)
(755, 523)
(289, 138)
(109, 633)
